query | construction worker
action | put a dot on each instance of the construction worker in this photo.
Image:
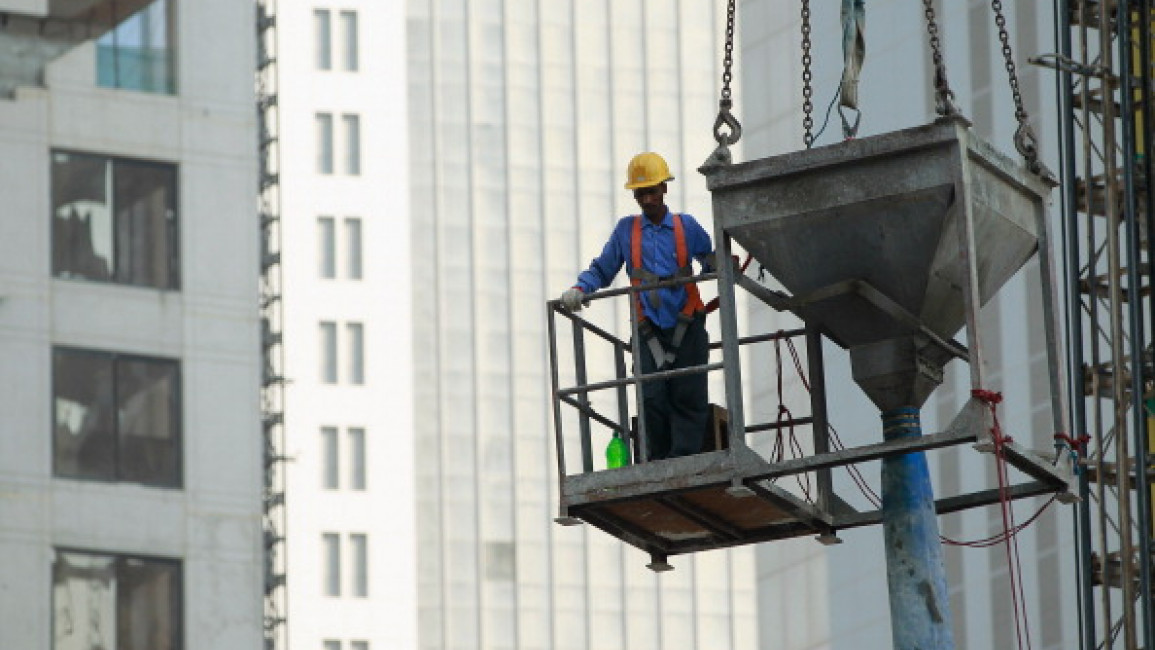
(658, 245)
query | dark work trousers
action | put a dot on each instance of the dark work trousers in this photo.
(677, 408)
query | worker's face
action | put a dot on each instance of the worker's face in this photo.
(652, 200)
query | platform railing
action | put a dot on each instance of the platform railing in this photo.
(577, 396)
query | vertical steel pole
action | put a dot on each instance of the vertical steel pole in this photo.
(639, 388)
(818, 412)
(558, 440)
(579, 353)
(972, 296)
(1069, 216)
(1144, 448)
(920, 616)
(623, 398)
(1137, 338)
(731, 362)
(1051, 325)
(1119, 362)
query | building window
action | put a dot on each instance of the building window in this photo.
(327, 253)
(359, 547)
(137, 54)
(116, 417)
(328, 352)
(353, 245)
(349, 39)
(332, 463)
(331, 644)
(357, 458)
(114, 220)
(329, 457)
(323, 39)
(352, 143)
(324, 143)
(332, 563)
(358, 645)
(356, 333)
(112, 601)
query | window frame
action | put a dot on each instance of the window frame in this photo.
(355, 331)
(329, 366)
(114, 166)
(327, 247)
(352, 127)
(358, 458)
(172, 87)
(331, 569)
(325, 143)
(350, 40)
(354, 248)
(322, 39)
(330, 458)
(119, 560)
(359, 565)
(176, 410)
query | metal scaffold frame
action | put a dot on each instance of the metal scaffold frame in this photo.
(1108, 214)
(272, 343)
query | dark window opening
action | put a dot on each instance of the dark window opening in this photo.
(116, 417)
(114, 220)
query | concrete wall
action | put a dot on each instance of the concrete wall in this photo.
(212, 523)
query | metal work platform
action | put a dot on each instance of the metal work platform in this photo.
(888, 246)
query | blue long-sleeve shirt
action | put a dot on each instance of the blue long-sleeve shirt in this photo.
(659, 256)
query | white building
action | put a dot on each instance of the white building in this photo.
(130, 452)
(812, 596)
(346, 271)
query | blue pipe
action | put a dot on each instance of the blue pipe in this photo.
(920, 616)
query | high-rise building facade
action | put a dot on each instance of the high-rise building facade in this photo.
(346, 268)
(812, 596)
(130, 455)
(523, 116)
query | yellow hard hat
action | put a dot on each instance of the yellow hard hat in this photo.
(646, 170)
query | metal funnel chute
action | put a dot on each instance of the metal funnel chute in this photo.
(868, 235)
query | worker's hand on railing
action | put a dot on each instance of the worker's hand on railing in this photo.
(571, 299)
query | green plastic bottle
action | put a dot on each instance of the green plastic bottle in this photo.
(617, 453)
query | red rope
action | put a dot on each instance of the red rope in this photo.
(715, 301)
(1010, 540)
(1010, 529)
(786, 421)
(1077, 444)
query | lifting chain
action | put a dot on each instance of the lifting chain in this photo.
(807, 90)
(725, 118)
(943, 95)
(1025, 141)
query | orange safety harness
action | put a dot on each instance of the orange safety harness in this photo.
(639, 276)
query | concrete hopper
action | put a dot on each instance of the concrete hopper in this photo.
(870, 237)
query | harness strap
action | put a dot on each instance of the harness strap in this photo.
(636, 268)
(662, 356)
(693, 299)
(640, 275)
(680, 330)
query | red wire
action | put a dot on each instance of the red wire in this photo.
(1010, 541)
(792, 441)
(1009, 536)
